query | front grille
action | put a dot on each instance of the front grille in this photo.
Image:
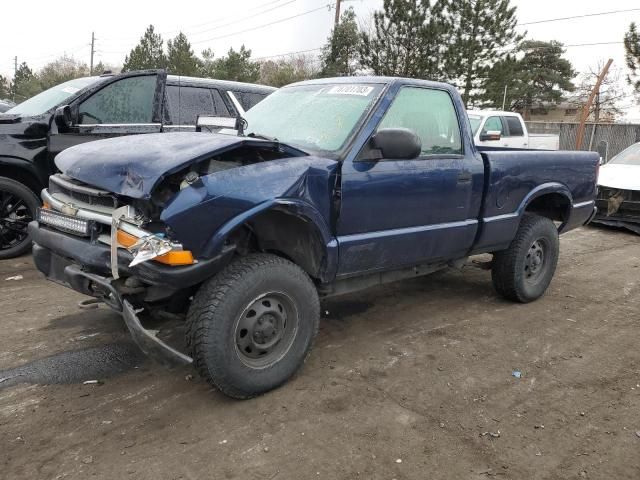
(81, 195)
(619, 203)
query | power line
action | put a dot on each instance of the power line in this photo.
(559, 19)
(267, 57)
(215, 24)
(243, 19)
(328, 5)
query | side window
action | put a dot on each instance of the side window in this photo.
(515, 127)
(493, 124)
(430, 114)
(186, 103)
(129, 100)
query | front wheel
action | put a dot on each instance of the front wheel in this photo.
(18, 206)
(523, 271)
(250, 327)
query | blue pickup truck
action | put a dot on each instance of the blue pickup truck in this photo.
(333, 185)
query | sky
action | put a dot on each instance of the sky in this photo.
(39, 31)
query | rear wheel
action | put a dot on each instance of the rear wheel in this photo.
(523, 271)
(18, 205)
(251, 326)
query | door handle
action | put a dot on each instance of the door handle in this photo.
(464, 177)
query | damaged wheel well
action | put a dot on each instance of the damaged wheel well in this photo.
(554, 206)
(284, 234)
(23, 176)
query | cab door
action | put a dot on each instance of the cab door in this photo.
(402, 212)
(129, 104)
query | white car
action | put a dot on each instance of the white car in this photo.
(493, 128)
(619, 190)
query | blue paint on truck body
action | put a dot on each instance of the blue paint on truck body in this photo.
(369, 216)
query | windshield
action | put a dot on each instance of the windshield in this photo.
(318, 117)
(629, 156)
(475, 120)
(53, 97)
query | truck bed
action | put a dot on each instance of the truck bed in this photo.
(513, 177)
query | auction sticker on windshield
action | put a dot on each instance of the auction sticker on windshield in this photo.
(362, 90)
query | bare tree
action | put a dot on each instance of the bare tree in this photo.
(293, 68)
(605, 106)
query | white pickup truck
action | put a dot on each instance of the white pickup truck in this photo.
(493, 128)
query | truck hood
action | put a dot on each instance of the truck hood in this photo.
(624, 177)
(134, 165)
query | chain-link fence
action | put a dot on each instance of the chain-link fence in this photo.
(606, 138)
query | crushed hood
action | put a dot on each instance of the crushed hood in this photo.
(134, 165)
(623, 177)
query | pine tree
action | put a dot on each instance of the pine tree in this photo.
(180, 58)
(4, 88)
(632, 56)
(541, 77)
(408, 39)
(340, 54)
(483, 31)
(147, 54)
(236, 66)
(25, 83)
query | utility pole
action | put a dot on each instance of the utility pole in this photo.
(504, 98)
(587, 106)
(15, 72)
(337, 19)
(93, 44)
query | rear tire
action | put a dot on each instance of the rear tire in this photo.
(18, 206)
(250, 327)
(523, 271)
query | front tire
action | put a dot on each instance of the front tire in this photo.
(18, 206)
(250, 327)
(523, 271)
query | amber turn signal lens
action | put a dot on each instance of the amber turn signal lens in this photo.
(176, 257)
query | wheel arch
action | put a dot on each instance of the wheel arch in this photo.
(292, 229)
(20, 171)
(551, 200)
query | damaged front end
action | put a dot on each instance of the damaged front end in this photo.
(141, 236)
(618, 208)
(86, 240)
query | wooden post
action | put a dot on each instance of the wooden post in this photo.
(587, 106)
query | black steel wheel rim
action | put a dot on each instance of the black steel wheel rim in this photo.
(15, 216)
(265, 330)
(535, 262)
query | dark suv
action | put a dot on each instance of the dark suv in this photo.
(86, 109)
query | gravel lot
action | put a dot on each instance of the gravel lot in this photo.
(408, 381)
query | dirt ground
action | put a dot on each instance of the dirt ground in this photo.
(408, 381)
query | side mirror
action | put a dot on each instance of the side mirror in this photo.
(62, 117)
(396, 143)
(491, 135)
